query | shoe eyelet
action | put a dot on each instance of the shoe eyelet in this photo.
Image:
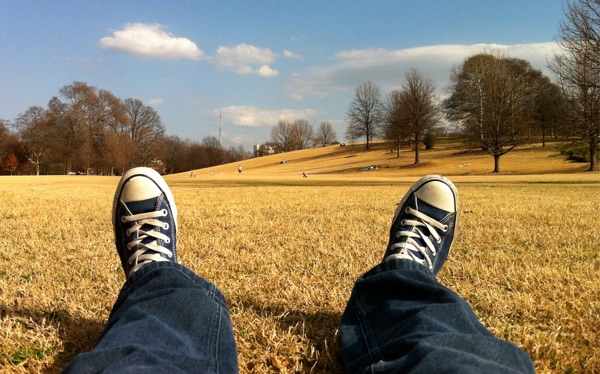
(445, 229)
(167, 240)
(407, 210)
(129, 247)
(403, 223)
(164, 212)
(397, 234)
(127, 232)
(166, 226)
(438, 241)
(123, 219)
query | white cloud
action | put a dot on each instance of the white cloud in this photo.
(292, 55)
(151, 40)
(155, 102)
(266, 71)
(251, 116)
(387, 67)
(243, 59)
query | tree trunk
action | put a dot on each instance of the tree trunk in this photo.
(417, 162)
(543, 137)
(496, 164)
(592, 156)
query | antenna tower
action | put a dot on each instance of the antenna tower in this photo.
(221, 144)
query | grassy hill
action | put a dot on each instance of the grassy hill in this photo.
(336, 164)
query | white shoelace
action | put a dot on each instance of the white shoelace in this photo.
(140, 257)
(410, 247)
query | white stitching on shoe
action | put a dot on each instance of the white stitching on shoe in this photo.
(140, 257)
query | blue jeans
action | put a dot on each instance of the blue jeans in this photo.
(165, 320)
(399, 319)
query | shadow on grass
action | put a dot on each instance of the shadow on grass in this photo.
(77, 335)
(319, 328)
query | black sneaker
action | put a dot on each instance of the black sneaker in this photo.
(424, 223)
(144, 220)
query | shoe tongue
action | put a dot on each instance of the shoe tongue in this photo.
(430, 210)
(143, 206)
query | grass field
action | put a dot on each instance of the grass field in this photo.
(285, 250)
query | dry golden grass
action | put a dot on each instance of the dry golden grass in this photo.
(344, 163)
(286, 256)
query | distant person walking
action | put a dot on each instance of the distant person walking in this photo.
(240, 169)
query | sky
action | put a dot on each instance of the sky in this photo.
(244, 65)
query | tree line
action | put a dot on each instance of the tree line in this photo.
(89, 130)
(496, 101)
(293, 135)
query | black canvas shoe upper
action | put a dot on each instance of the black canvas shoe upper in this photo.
(424, 223)
(144, 220)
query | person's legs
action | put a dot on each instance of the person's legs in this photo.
(401, 319)
(166, 318)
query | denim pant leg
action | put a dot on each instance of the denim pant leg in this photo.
(166, 319)
(400, 319)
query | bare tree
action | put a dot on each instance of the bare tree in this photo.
(413, 109)
(35, 134)
(324, 134)
(551, 108)
(114, 144)
(578, 71)
(366, 112)
(394, 129)
(214, 150)
(96, 112)
(237, 154)
(68, 134)
(492, 99)
(145, 129)
(4, 135)
(302, 134)
(174, 154)
(86, 108)
(198, 156)
(352, 133)
(283, 135)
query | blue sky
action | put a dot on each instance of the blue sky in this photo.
(255, 61)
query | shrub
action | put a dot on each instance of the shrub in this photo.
(429, 140)
(578, 152)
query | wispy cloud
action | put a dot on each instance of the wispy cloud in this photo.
(387, 67)
(151, 40)
(251, 116)
(155, 102)
(292, 55)
(246, 59)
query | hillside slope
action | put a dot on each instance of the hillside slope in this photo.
(347, 163)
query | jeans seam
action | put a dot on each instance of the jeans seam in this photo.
(372, 354)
